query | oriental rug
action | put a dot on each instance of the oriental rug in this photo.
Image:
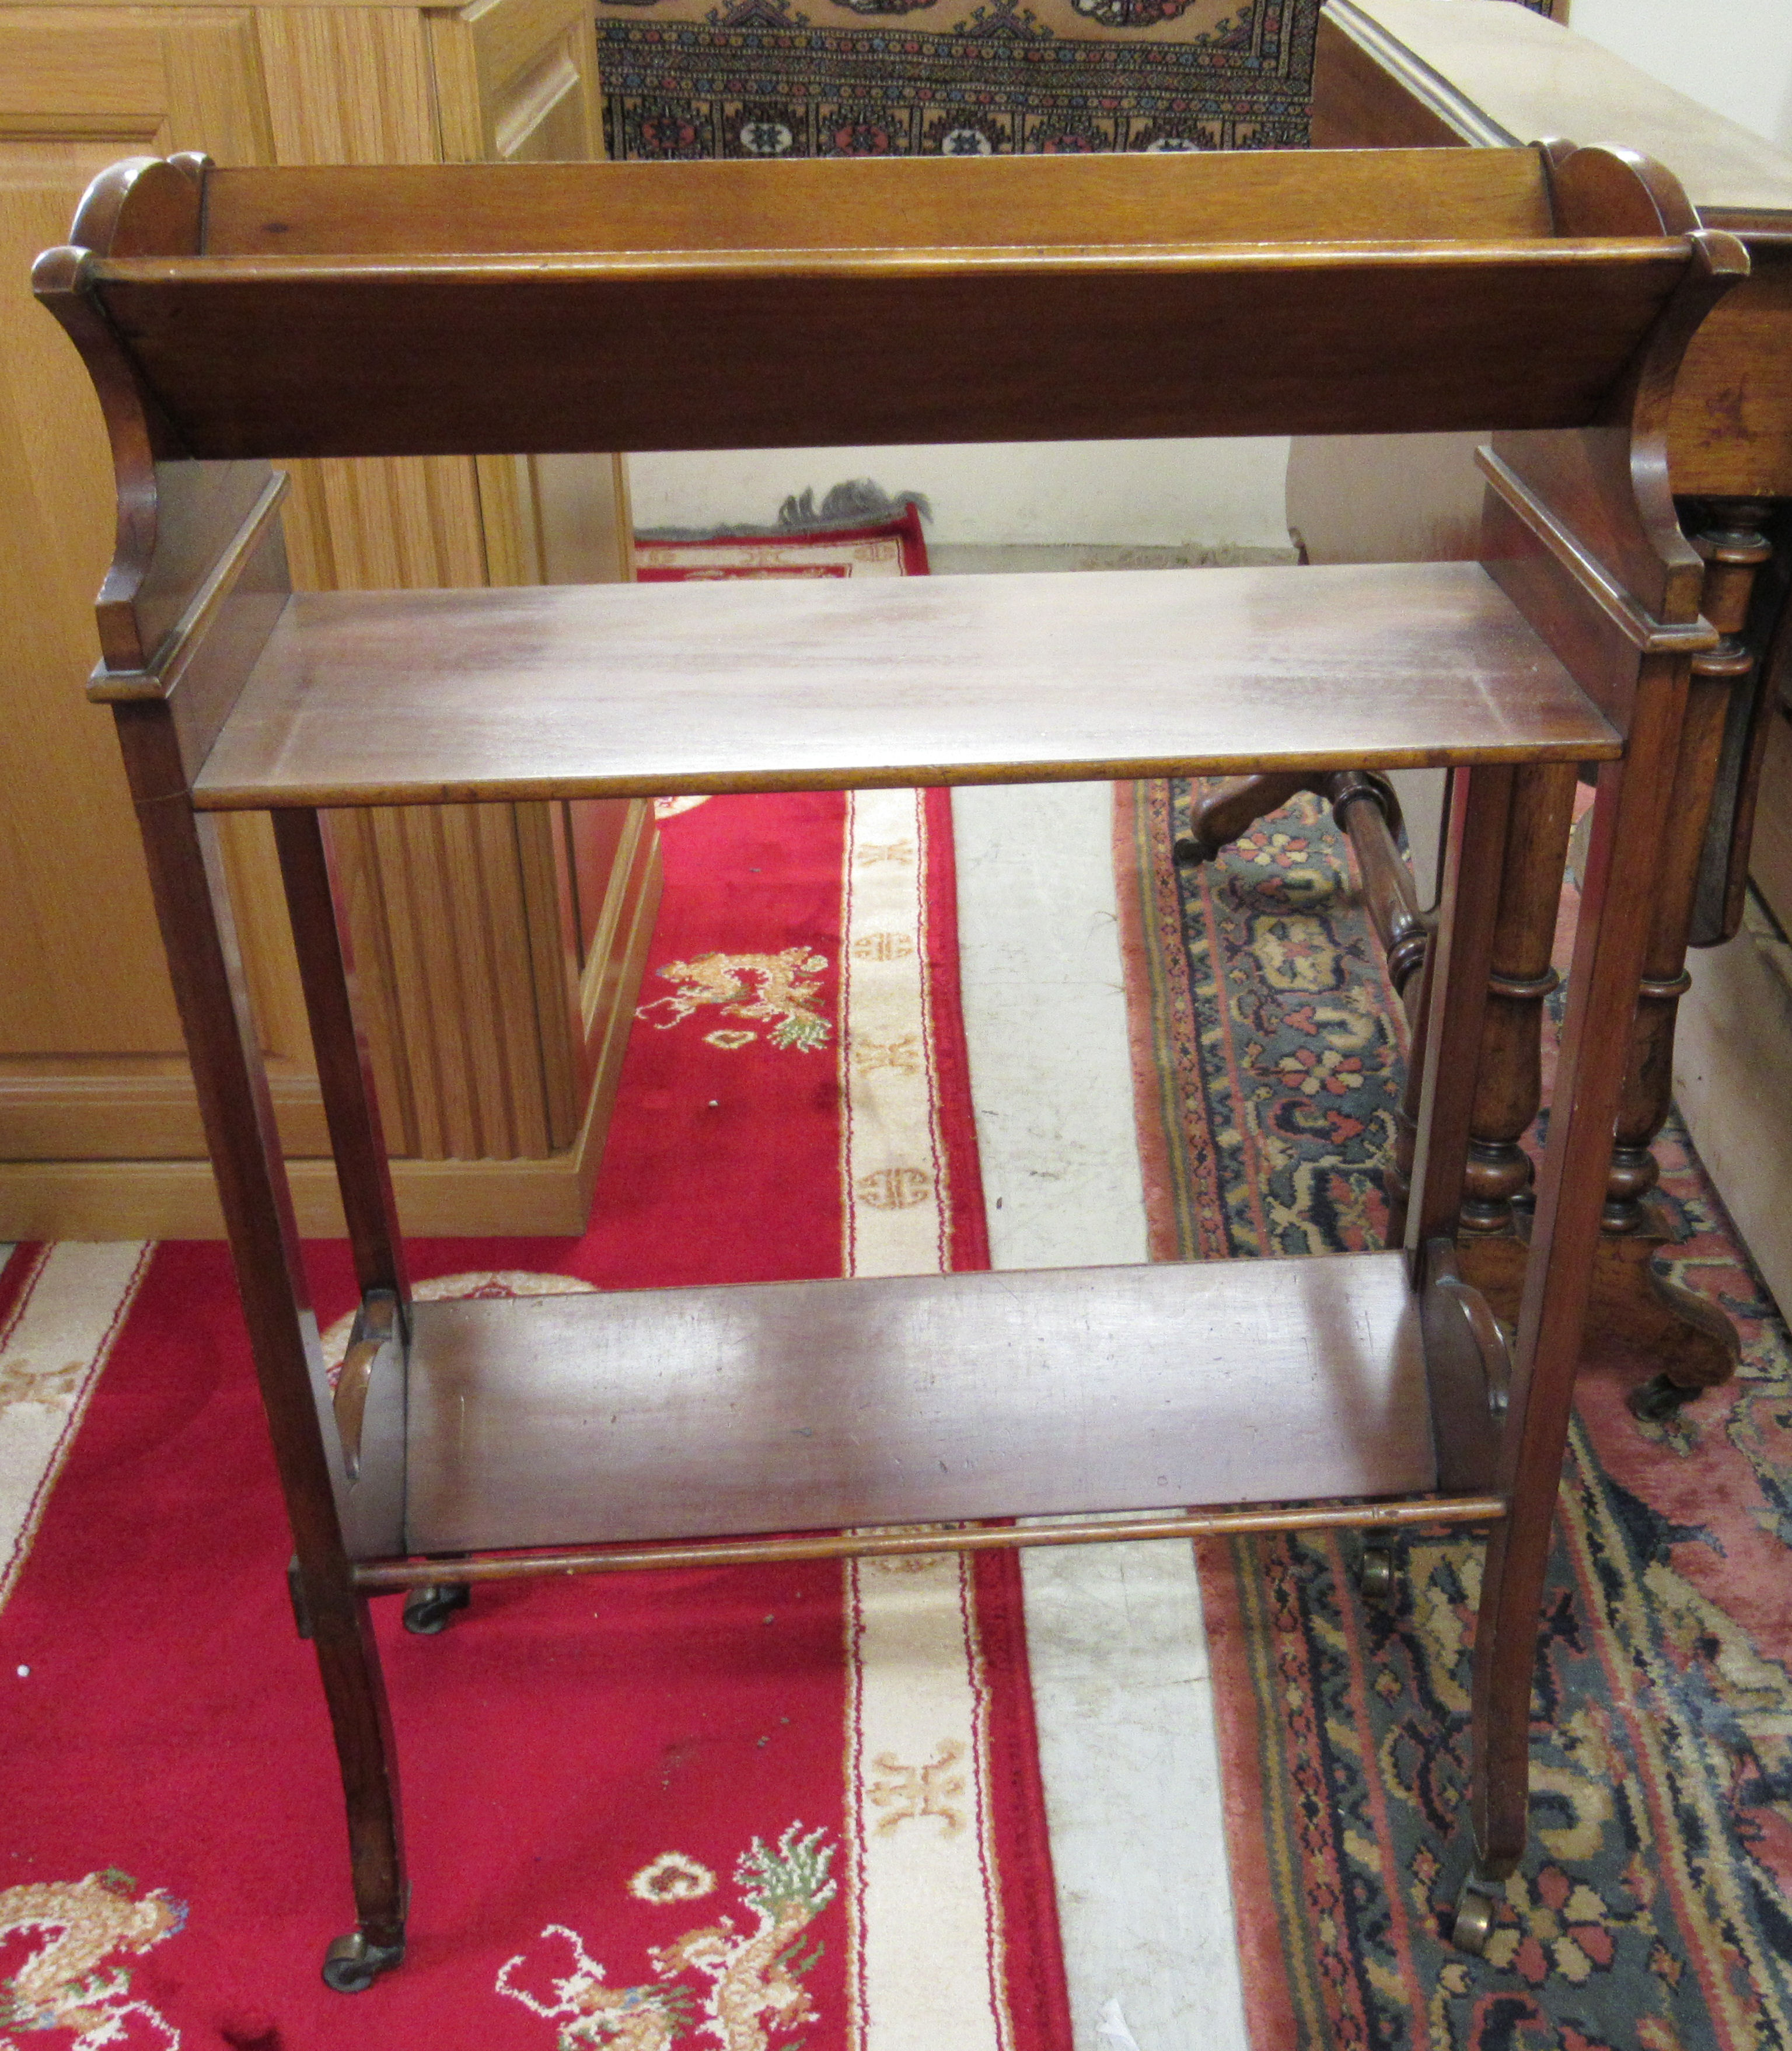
(859, 78)
(1654, 1910)
(753, 1808)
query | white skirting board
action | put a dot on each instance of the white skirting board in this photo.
(1733, 1081)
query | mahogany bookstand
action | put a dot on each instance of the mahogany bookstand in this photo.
(229, 315)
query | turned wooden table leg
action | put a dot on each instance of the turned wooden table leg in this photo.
(1509, 1085)
(1692, 1343)
(1366, 808)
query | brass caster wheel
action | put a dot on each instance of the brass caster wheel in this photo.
(1473, 1921)
(1377, 1576)
(429, 1611)
(1658, 1399)
(351, 1965)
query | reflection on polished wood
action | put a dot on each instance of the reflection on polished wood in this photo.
(762, 685)
(656, 1414)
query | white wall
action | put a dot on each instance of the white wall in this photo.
(1734, 56)
(1167, 494)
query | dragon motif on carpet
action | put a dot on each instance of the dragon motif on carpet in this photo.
(777, 989)
(747, 1986)
(73, 1981)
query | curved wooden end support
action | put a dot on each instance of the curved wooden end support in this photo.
(1468, 1369)
(59, 279)
(144, 206)
(1606, 486)
(1720, 261)
(376, 1327)
(1604, 189)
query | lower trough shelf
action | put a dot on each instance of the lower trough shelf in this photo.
(714, 1413)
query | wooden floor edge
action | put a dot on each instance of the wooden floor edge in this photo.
(387, 1577)
(547, 1196)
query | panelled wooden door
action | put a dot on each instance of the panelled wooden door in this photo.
(495, 1072)
(91, 1061)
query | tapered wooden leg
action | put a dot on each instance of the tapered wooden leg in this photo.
(193, 906)
(345, 1070)
(1397, 1176)
(1465, 1364)
(1456, 999)
(1616, 917)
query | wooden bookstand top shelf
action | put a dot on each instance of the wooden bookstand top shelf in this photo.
(306, 313)
(390, 699)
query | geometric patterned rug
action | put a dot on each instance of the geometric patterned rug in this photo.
(1653, 1909)
(821, 78)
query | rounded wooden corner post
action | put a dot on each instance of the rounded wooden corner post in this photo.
(154, 206)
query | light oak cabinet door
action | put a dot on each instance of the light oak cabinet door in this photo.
(91, 1061)
(496, 1068)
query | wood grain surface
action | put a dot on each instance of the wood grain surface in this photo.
(691, 1412)
(914, 202)
(378, 698)
(663, 349)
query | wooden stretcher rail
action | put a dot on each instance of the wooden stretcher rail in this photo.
(388, 1576)
(418, 697)
(628, 1416)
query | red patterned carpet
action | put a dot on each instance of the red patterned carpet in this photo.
(761, 1808)
(1654, 1911)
